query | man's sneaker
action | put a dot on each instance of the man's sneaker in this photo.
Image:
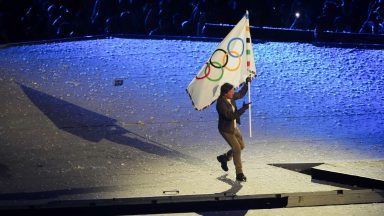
(241, 177)
(223, 160)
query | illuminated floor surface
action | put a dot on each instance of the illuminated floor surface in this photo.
(64, 125)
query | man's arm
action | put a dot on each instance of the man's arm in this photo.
(240, 94)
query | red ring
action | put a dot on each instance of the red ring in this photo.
(205, 71)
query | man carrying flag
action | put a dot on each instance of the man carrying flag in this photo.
(229, 116)
(229, 66)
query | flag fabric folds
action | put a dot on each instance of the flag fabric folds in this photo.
(231, 62)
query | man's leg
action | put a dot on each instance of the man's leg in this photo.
(229, 154)
(232, 140)
(224, 158)
(239, 138)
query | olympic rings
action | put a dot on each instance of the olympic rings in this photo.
(238, 64)
(229, 44)
(224, 61)
(222, 72)
(225, 54)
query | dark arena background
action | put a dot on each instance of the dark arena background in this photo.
(95, 118)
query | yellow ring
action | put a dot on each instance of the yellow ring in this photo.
(226, 56)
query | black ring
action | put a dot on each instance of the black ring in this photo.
(226, 61)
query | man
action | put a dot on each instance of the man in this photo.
(229, 116)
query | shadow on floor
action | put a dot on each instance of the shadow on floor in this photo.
(94, 127)
(235, 185)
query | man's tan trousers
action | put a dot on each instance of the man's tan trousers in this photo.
(235, 140)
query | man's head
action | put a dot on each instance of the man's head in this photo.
(227, 90)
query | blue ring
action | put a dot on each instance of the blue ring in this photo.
(229, 43)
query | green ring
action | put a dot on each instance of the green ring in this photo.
(222, 71)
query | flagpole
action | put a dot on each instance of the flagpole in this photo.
(250, 107)
(249, 83)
